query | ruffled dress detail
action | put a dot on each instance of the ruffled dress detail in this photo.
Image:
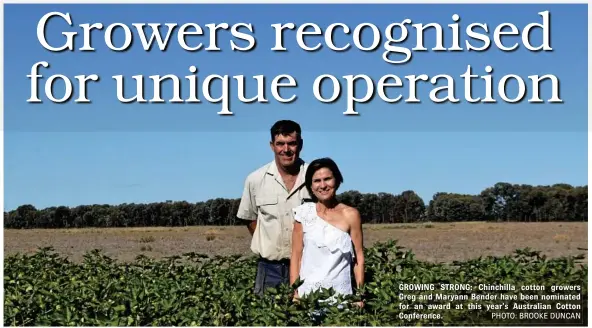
(328, 253)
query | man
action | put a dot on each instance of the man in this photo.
(269, 195)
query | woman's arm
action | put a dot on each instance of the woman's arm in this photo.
(357, 237)
(296, 257)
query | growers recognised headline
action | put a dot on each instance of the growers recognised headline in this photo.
(477, 38)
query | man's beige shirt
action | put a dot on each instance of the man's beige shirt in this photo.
(266, 199)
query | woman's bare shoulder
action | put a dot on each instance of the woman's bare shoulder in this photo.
(350, 213)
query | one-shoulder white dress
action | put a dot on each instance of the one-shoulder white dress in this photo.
(328, 255)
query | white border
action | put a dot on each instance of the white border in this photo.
(272, 2)
(294, 1)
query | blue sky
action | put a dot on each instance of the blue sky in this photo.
(108, 152)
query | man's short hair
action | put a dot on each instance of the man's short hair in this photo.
(285, 127)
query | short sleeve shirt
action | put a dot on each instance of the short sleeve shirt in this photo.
(266, 199)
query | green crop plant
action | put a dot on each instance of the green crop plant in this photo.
(199, 290)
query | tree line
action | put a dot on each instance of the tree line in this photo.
(501, 202)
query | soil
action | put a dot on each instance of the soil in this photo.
(435, 242)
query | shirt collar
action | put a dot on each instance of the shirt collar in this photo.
(273, 171)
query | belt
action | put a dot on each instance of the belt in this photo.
(282, 261)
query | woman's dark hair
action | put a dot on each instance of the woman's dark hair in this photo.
(318, 164)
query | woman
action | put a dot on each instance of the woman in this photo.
(324, 231)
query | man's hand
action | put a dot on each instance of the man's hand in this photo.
(251, 226)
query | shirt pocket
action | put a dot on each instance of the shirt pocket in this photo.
(268, 206)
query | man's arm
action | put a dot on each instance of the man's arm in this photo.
(246, 209)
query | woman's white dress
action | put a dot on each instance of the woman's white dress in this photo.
(328, 255)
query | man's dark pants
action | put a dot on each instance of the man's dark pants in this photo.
(271, 274)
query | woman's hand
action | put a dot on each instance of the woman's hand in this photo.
(360, 304)
(295, 298)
